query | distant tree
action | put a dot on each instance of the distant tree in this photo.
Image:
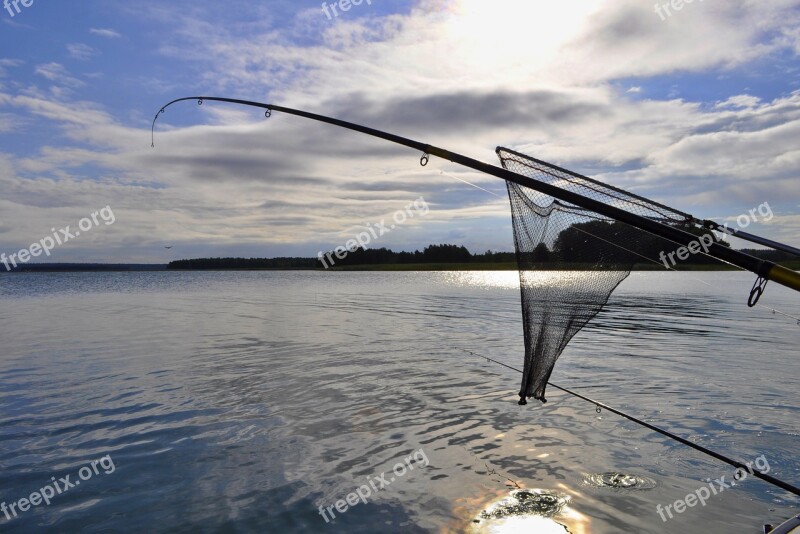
(579, 243)
(541, 254)
(446, 254)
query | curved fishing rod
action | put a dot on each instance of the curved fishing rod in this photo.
(721, 457)
(766, 270)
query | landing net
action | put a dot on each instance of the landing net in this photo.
(571, 259)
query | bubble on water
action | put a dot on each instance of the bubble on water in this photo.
(617, 480)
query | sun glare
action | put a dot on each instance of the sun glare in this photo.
(531, 31)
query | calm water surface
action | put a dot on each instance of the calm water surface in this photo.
(242, 402)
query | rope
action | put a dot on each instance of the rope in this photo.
(739, 465)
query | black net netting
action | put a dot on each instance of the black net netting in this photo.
(571, 259)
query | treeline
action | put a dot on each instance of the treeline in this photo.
(222, 264)
(83, 267)
(430, 254)
(360, 256)
(607, 245)
(592, 245)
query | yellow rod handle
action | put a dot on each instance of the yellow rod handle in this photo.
(785, 277)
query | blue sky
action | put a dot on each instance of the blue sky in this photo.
(700, 110)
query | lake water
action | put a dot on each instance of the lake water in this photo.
(245, 401)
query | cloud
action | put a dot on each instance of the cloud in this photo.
(743, 154)
(739, 101)
(7, 63)
(105, 32)
(388, 73)
(627, 39)
(55, 72)
(544, 78)
(456, 112)
(81, 51)
(15, 24)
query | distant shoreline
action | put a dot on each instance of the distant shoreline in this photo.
(85, 267)
(442, 257)
(420, 267)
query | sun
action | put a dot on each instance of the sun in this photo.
(507, 25)
(513, 33)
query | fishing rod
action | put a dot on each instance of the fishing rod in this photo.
(765, 270)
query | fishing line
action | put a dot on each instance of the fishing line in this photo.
(469, 183)
(730, 461)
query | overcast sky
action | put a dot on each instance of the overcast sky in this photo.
(698, 108)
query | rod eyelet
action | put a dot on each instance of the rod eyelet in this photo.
(757, 291)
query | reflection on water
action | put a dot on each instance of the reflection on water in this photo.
(523, 510)
(244, 401)
(481, 279)
(527, 502)
(619, 481)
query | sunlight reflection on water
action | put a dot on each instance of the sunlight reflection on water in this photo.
(525, 511)
(276, 392)
(482, 279)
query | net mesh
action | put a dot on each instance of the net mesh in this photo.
(571, 259)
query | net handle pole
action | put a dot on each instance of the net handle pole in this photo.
(764, 269)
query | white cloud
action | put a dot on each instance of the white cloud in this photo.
(105, 32)
(739, 101)
(55, 72)
(81, 51)
(541, 77)
(7, 63)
